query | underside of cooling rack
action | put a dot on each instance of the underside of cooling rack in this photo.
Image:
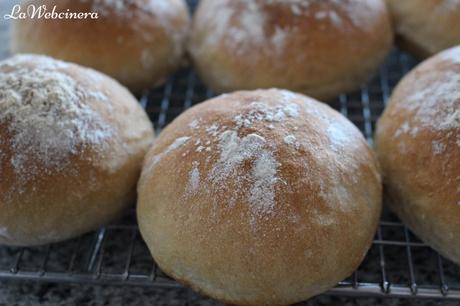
(397, 265)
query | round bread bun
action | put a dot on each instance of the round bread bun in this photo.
(318, 47)
(259, 198)
(426, 27)
(72, 141)
(138, 42)
(418, 144)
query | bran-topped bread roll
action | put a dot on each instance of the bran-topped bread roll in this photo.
(418, 143)
(72, 141)
(319, 47)
(138, 42)
(425, 27)
(259, 198)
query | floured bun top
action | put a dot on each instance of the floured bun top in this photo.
(423, 120)
(318, 47)
(262, 165)
(137, 42)
(418, 144)
(166, 14)
(249, 25)
(258, 128)
(426, 104)
(427, 27)
(53, 113)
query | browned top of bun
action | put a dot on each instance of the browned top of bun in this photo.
(127, 41)
(254, 187)
(418, 143)
(70, 137)
(426, 27)
(421, 126)
(314, 45)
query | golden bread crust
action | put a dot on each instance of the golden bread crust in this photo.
(418, 144)
(259, 198)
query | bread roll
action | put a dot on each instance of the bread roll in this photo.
(319, 47)
(259, 198)
(426, 27)
(418, 143)
(72, 141)
(138, 42)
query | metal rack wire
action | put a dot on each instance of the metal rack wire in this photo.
(397, 265)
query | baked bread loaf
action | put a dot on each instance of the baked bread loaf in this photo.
(418, 144)
(318, 47)
(138, 42)
(259, 198)
(426, 27)
(72, 141)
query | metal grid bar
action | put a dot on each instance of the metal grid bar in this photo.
(384, 273)
(384, 283)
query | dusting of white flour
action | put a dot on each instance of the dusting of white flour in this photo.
(452, 55)
(4, 232)
(124, 7)
(164, 12)
(449, 5)
(264, 174)
(438, 147)
(194, 178)
(232, 149)
(240, 160)
(246, 29)
(435, 107)
(46, 117)
(176, 144)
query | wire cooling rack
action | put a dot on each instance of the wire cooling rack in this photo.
(397, 265)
